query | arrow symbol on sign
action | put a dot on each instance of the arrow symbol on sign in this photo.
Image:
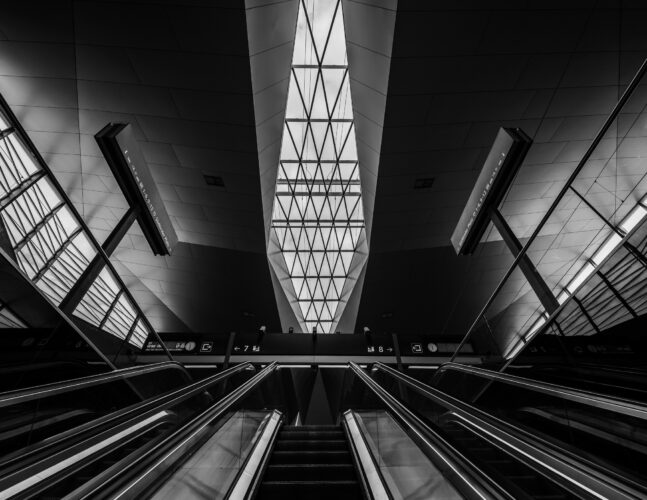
(236, 348)
(389, 349)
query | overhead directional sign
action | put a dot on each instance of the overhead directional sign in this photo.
(501, 165)
(119, 146)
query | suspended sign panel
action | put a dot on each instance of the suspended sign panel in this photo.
(501, 165)
(119, 146)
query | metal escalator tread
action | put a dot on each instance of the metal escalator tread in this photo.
(311, 462)
(518, 479)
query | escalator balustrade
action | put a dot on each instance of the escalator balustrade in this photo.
(399, 437)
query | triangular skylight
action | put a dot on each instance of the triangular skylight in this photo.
(318, 219)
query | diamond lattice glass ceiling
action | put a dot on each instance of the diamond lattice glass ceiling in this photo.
(318, 228)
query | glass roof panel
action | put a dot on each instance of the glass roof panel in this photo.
(318, 220)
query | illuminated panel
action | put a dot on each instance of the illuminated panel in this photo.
(318, 219)
(52, 246)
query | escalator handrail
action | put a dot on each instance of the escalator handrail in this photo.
(43, 452)
(171, 448)
(572, 472)
(617, 405)
(466, 476)
(42, 391)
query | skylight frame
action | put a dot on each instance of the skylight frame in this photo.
(51, 244)
(318, 224)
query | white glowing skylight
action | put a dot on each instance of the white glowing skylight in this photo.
(317, 219)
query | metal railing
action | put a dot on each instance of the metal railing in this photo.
(158, 459)
(43, 391)
(29, 461)
(617, 405)
(567, 470)
(464, 475)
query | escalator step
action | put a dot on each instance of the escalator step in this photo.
(311, 445)
(311, 457)
(310, 435)
(312, 490)
(310, 472)
(310, 427)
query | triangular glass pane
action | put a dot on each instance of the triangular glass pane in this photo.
(347, 243)
(280, 235)
(340, 133)
(318, 306)
(294, 107)
(319, 293)
(339, 285)
(328, 152)
(327, 170)
(311, 269)
(288, 151)
(344, 107)
(321, 19)
(318, 243)
(339, 268)
(325, 313)
(332, 78)
(325, 213)
(335, 52)
(309, 151)
(297, 284)
(347, 257)
(349, 147)
(288, 171)
(312, 315)
(331, 293)
(283, 204)
(289, 257)
(354, 234)
(356, 212)
(319, 130)
(326, 283)
(298, 134)
(318, 258)
(318, 110)
(325, 267)
(303, 45)
(310, 234)
(306, 82)
(348, 171)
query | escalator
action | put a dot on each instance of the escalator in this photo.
(609, 432)
(624, 382)
(112, 459)
(310, 461)
(34, 420)
(236, 434)
(520, 480)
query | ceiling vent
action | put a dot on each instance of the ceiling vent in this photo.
(214, 180)
(425, 183)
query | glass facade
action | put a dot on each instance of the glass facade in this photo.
(318, 218)
(51, 245)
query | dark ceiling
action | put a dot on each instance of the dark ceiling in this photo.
(179, 71)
